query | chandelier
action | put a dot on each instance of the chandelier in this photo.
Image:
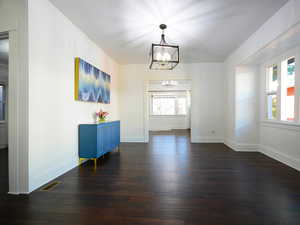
(163, 55)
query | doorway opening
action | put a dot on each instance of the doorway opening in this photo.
(168, 108)
(4, 65)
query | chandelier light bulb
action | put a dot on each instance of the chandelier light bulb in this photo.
(166, 56)
(159, 56)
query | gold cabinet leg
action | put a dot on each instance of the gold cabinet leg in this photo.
(80, 161)
(95, 163)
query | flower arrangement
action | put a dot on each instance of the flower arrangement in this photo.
(101, 115)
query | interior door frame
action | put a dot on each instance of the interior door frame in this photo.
(146, 111)
(18, 113)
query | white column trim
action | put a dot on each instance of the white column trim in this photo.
(18, 113)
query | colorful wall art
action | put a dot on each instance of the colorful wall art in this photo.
(91, 84)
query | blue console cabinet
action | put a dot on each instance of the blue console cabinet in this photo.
(95, 140)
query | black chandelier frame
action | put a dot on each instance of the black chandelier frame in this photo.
(162, 44)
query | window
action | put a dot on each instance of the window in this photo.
(169, 104)
(288, 76)
(281, 95)
(181, 106)
(2, 102)
(163, 105)
(272, 88)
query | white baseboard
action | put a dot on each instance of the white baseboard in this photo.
(161, 130)
(13, 193)
(241, 147)
(207, 139)
(51, 174)
(281, 157)
(268, 151)
(133, 139)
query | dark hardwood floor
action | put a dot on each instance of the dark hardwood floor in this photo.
(166, 182)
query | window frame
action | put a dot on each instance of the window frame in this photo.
(278, 61)
(270, 93)
(283, 86)
(176, 96)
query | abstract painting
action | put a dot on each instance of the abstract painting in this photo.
(91, 84)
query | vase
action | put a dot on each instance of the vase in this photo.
(101, 120)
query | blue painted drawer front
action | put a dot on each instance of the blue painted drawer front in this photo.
(97, 139)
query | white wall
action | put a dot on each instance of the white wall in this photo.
(207, 102)
(157, 123)
(281, 142)
(246, 104)
(54, 115)
(278, 141)
(206, 105)
(3, 126)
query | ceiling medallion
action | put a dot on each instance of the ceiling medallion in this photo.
(163, 55)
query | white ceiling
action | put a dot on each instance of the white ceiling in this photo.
(205, 30)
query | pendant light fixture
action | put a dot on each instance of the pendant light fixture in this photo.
(169, 83)
(163, 55)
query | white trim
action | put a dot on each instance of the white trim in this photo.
(241, 147)
(229, 143)
(18, 107)
(281, 57)
(133, 139)
(145, 112)
(285, 159)
(168, 116)
(14, 193)
(50, 174)
(293, 52)
(207, 139)
(297, 85)
(281, 125)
